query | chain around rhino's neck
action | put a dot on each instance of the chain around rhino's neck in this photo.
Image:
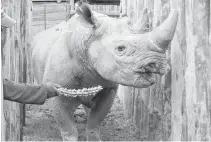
(78, 44)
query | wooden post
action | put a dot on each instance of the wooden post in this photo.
(191, 78)
(178, 80)
(210, 27)
(13, 62)
(72, 8)
(45, 16)
(123, 8)
(25, 45)
(67, 9)
(157, 13)
(197, 72)
(13, 126)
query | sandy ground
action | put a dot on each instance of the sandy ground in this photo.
(40, 125)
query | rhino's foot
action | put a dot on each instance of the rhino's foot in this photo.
(62, 111)
(103, 102)
(66, 136)
(93, 135)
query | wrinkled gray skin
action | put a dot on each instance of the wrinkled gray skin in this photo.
(80, 56)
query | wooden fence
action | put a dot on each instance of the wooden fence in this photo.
(191, 68)
(48, 13)
(178, 106)
(16, 64)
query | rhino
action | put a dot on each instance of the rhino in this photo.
(93, 49)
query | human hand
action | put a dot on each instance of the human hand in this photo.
(52, 90)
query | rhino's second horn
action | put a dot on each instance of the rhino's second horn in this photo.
(162, 35)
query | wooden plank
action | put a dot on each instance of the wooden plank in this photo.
(72, 5)
(157, 13)
(44, 9)
(26, 38)
(191, 73)
(198, 108)
(210, 27)
(141, 110)
(13, 65)
(178, 81)
(128, 102)
(11, 110)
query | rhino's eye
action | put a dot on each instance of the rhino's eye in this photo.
(121, 48)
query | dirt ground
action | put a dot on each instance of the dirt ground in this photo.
(40, 125)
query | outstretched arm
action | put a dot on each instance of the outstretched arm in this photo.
(28, 94)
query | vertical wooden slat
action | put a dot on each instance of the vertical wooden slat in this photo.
(68, 10)
(45, 21)
(191, 77)
(11, 110)
(141, 111)
(190, 74)
(209, 82)
(157, 13)
(201, 67)
(72, 6)
(25, 45)
(210, 26)
(13, 66)
(178, 83)
(128, 101)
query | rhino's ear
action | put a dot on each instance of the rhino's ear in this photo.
(84, 11)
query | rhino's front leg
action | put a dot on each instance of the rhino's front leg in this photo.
(62, 110)
(101, 105)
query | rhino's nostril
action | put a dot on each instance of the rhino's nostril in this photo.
(168, 68)
(152, 65)
(150, 68)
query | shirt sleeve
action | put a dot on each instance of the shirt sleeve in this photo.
(22, 93)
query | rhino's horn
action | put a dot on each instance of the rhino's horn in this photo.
(162, 35)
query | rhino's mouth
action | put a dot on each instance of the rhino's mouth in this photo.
(148, 73)
(147, 70)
